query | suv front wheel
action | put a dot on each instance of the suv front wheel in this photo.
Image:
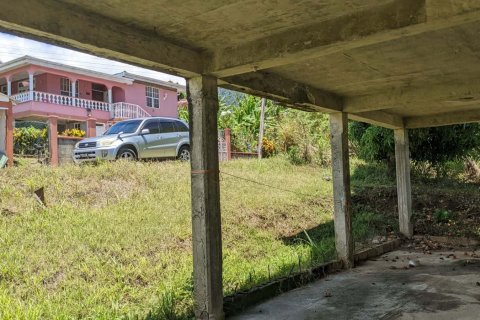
(184, 153)
(126, 153)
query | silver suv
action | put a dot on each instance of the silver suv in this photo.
(137, 139)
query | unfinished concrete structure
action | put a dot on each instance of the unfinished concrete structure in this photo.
(6, 127)
(396, 63)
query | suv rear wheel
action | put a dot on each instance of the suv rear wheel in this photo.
(184, 153)
(126, 153)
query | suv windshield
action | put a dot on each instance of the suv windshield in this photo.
(124, 127)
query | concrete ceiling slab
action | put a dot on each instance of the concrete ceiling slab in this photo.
(388, 59)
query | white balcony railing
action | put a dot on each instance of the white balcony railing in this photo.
(119, 110)
(21, 97)
(123, 110)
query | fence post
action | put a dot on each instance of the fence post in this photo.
(53, 139)
(91, 128)
(228, 143)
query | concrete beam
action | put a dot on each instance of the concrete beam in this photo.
(206, 221)
(404, 189)
(378, 118)
(288, 92)
(405, 97)
(443, 119)
(341, 188)
(68, 26)
(319, 39)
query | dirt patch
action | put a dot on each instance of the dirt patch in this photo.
(440, 212)
(7, 212)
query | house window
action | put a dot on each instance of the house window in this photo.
(3, 89)
(65, 87)
(77, 126)
(24, 85)
(99, 92)
(153, 100)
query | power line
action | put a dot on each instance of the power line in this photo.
(267, 185)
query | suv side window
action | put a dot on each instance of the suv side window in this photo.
(181, 127)
(153, 126)
(167, 127)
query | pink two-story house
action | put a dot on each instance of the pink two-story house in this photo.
(69, 97)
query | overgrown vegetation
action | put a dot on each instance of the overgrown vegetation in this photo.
(430, 148)
(115, 239)
(25, 139)
(302, 136)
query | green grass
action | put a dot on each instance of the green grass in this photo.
(115, 240)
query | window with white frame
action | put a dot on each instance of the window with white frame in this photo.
(65, 87)
(3, 89)
(77, 126)
(153, 97)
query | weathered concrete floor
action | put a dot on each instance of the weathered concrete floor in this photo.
(440, 287)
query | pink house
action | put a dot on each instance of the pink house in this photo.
(69, 97)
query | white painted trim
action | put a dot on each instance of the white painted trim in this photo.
(174, 86)
(27, 60)
(4, 98)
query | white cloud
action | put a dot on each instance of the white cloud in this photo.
(12, 47)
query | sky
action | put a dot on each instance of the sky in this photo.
(12, 47)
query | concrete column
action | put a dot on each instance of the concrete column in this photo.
(91, 127)
(228, 142)
(9, 87)
(110, 95)
(9, 136)
(404, 189)
(30, 85)
(341, 188)
(74, 90)
(206, 221)
(53, 139)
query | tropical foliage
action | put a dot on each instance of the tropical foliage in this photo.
(73, 133)
(434, 146)
(243, 119)
(25, 139)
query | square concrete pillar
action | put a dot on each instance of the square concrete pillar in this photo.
(91, 128)
(53, 139)
(341, 188)
(6, 128)
(404, 189)
(9, 136)
(206, 221)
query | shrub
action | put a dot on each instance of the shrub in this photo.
(304, 137)
(25, 139)
(434, 146)
(73, 133)
(268, 148)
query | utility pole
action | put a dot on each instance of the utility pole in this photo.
(262, 125)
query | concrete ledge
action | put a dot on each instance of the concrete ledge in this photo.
(238, 302)
(376, 251)
(454, 241)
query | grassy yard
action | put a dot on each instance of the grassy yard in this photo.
(115, 240)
